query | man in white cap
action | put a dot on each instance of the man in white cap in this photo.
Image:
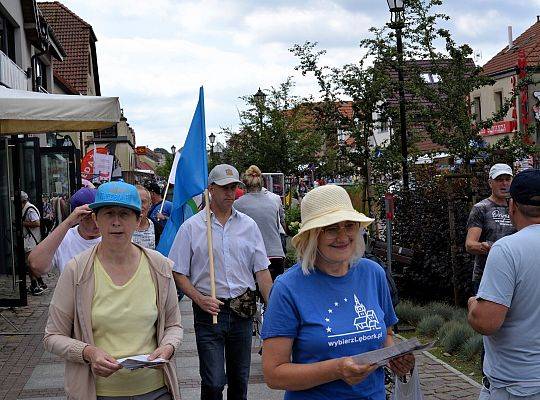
(489, 220)
(239, 255)
(505, 310)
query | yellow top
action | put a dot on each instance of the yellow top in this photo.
(124, 324)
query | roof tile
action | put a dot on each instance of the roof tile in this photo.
(75, 35)
(506, 59)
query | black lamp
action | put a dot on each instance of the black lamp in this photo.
(259, 97)
(212, 138)
(395, 5)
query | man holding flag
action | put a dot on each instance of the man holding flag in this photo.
(239, 253)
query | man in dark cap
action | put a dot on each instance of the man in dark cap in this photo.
(156, 214)
(505, 309)
(75, 234)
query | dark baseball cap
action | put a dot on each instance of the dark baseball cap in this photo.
(82, 196)
(153, 187)
(525, 188)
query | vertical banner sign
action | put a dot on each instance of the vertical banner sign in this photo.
(103, 165)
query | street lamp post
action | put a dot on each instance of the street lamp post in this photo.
(341, 142)
(260, 99)
(212, 138)
(397, 22)
(173, 150)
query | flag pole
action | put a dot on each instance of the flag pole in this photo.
(210, 250)
(164, 197)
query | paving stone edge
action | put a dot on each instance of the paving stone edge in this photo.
(447, 366)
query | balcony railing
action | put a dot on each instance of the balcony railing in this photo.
(11, 75)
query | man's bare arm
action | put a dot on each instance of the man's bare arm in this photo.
(472, 243)
(264, 279)
(207, 303)
(485, 317)
(41, 257)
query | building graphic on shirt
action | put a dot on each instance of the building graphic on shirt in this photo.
(366, 318)
(338, 321)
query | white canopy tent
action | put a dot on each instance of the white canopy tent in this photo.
(31, 112)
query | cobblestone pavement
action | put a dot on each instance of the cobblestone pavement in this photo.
(28, 372)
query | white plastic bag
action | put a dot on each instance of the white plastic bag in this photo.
(410, 390)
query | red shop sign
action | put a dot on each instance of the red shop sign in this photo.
(499, 128)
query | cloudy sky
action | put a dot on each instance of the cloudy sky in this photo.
(155, 54)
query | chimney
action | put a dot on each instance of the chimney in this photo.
(510, 39)
(538, 18)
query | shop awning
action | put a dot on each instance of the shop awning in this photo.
(31, 112)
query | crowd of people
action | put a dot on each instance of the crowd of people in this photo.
(117, 297)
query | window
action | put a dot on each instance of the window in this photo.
(41, 75)
(477, 109)
(430, 78)
(106, 133)
(498, 96)
(7, 37)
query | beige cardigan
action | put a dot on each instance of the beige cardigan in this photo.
(69, 328)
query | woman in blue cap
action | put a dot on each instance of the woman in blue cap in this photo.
(116, 300)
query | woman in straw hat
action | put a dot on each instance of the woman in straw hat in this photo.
(331, 305)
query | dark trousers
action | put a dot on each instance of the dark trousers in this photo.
(224, 345)
(276, 267)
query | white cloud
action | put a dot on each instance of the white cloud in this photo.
(475, 24)
(155, 54)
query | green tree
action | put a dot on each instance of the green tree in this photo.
(276, 136)
(164, 170)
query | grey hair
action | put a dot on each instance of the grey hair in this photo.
(307, 245)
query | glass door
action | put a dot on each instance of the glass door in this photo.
(12, 268)
(60, 167)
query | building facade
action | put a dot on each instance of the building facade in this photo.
(78, 74)
(515, 61)
(28, 48)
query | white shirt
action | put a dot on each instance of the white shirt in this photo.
(32, 236)
(238, 253)
(72, 244)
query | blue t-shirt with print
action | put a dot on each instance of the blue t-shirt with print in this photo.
(330, 317)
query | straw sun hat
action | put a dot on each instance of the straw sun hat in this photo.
(327, 205)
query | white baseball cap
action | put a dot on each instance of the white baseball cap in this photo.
(500, 169)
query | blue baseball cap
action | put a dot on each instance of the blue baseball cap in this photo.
(82, 196)
(119, 194)
(525, 188)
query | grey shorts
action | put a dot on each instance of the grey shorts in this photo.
(501, 394)
(158, 394)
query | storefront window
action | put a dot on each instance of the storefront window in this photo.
(9, 286)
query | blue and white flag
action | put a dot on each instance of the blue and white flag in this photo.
(191, 176)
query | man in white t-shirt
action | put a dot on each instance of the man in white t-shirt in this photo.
(75, 234)
(31, 236)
